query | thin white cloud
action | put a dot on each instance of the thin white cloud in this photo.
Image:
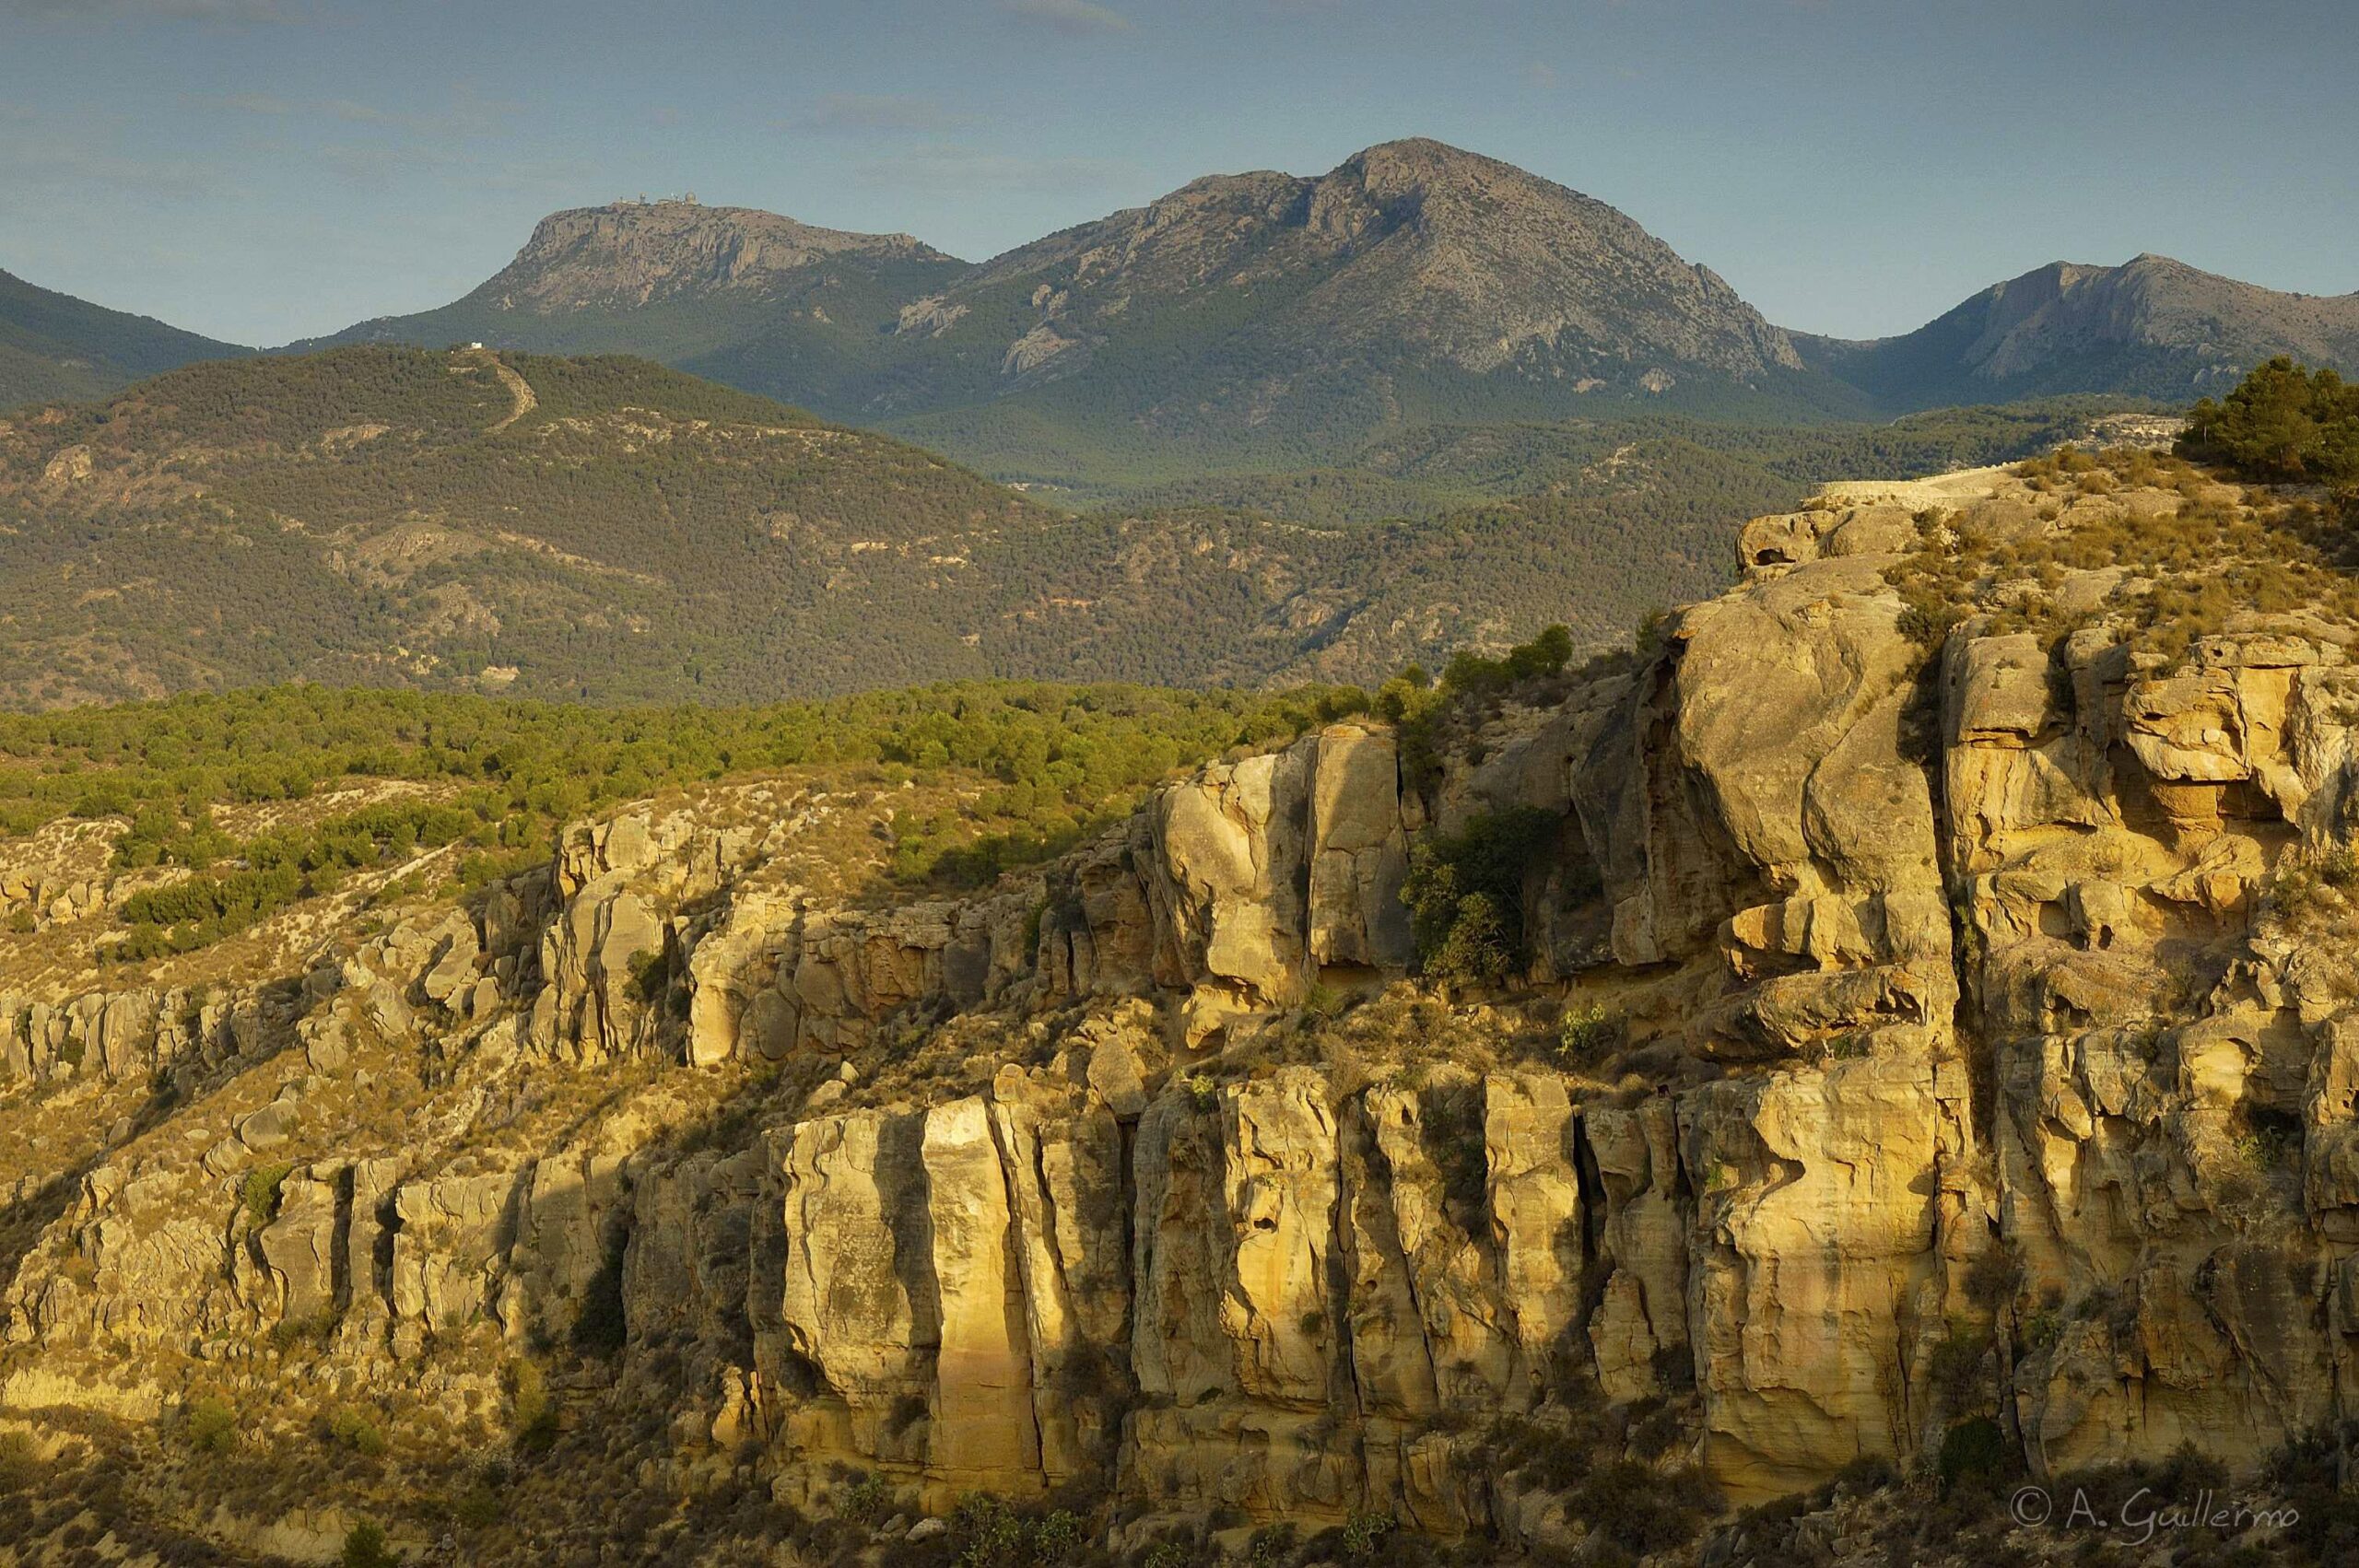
(381, 166)
(251, 103)
(559, 174)
(853, 111)
(949, 165)
(469, 114)
(1075, 18)
(34, 168)
(375, 166)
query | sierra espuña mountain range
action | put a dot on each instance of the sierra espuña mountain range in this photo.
(1414, 281)
(2153, 326)
(1268, 319)
(1263, 309)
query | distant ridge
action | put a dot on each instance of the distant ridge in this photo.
(605, 529)
(674, 280)
(1260, 322)
(53, 345)
(2150, 327)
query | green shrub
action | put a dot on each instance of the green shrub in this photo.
(1973, 1450)
(530, 1408)
(2284, 424)
(865, 1498)
(987, 1533)
(208, 1425)
(1638, 1508)
(1586, 1035)
(1956, 1367)
(261, 1190)
(20, 1463)
(1364, 1532)
(1465, 895)
(1995, 1276)
(478, 1507)
(353, 1429)
(365, 1547)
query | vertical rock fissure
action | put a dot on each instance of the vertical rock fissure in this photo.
(1588, 1184)
(1338, 1327)
(340, 1284)
(900, 1150)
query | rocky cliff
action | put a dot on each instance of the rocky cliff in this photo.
(1933, 1047)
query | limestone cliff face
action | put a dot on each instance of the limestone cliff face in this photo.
(1979, 1008)
(632, 252)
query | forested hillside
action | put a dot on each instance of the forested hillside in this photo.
(276, 796)
(594, 527)
(53, 345)
(607, 531)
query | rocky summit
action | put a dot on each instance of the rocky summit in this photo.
(1275, 320)
(1408, 251)
(1893, 1030)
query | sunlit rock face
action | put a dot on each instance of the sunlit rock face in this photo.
(1982, 1048)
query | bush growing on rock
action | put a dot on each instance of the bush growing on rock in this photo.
(1465, 895)
(1586, 1035)
(208, 1426)
(261, 1190)
(365, 1547)
(353, 1429)
(1973, 1451)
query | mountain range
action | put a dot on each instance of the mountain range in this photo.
(1264, 429)
(1267, 321)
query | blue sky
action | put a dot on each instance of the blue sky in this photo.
(262, 170)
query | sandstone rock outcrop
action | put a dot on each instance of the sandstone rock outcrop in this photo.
(1913, 1004)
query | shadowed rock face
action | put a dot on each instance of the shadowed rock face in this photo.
(1985, 1019)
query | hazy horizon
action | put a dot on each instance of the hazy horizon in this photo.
(261, 170)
